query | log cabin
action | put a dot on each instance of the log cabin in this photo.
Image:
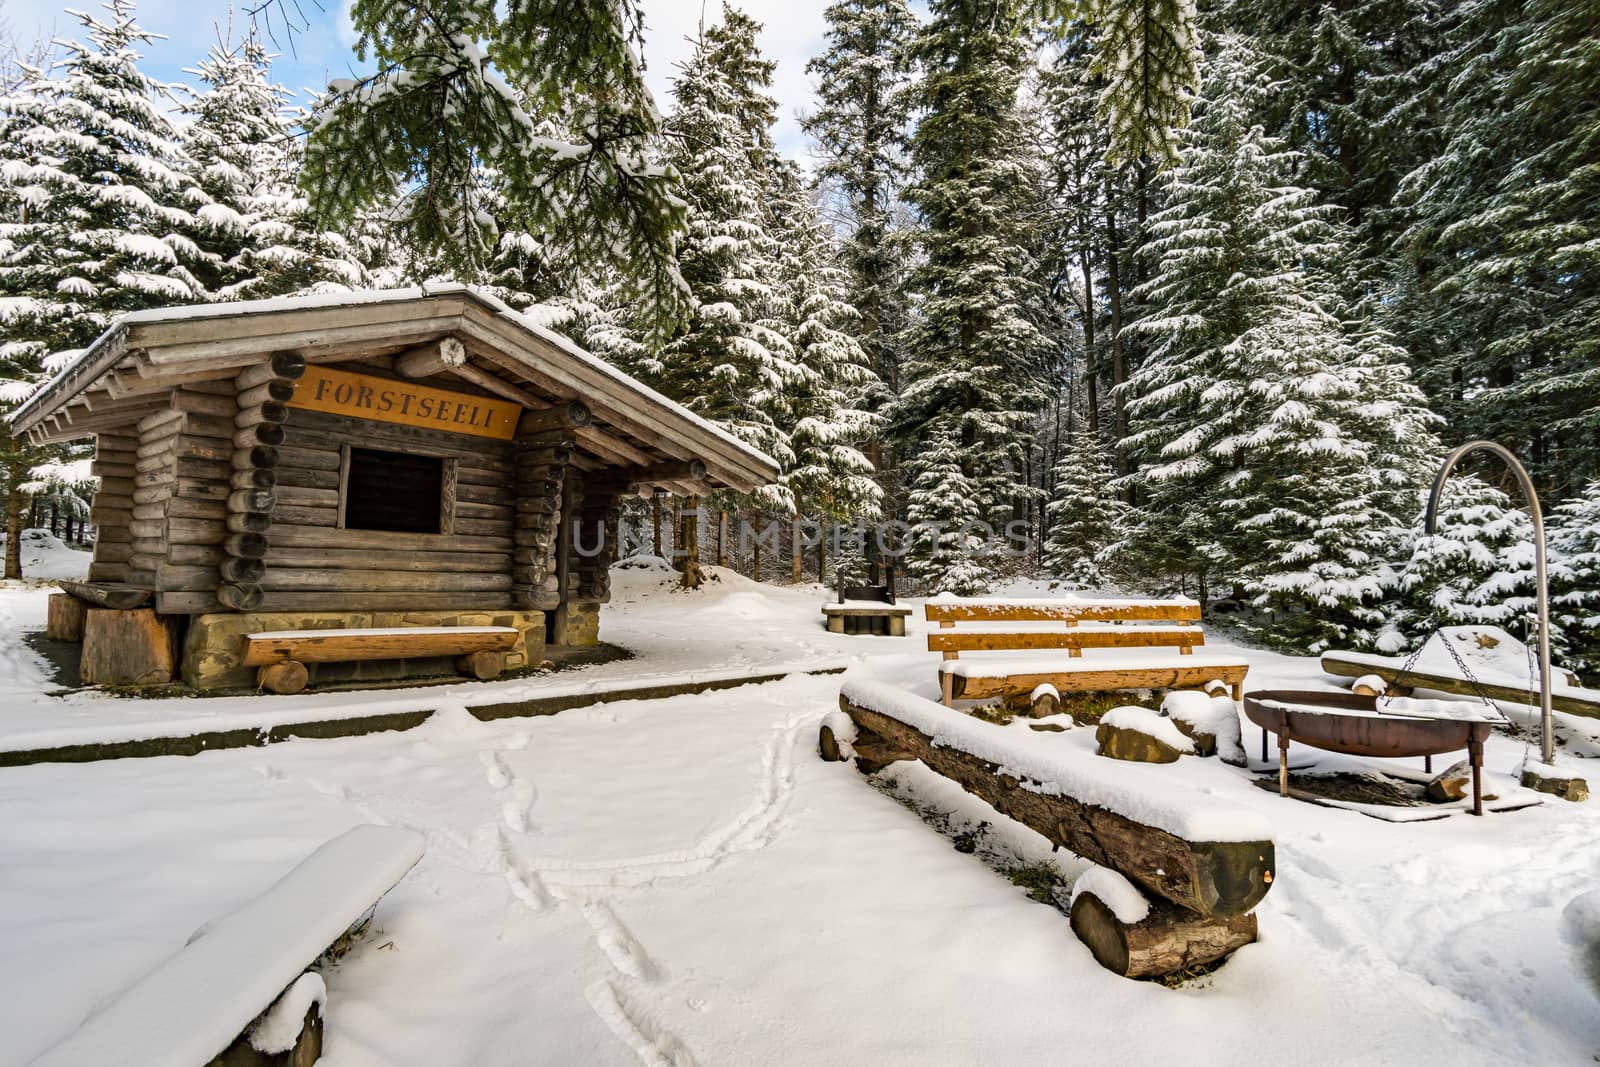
(359, 462)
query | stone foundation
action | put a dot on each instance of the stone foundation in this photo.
(583, 625)
(214, 647)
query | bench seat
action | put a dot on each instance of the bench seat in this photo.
(192, 1007)
(991, 676)
(282, 654)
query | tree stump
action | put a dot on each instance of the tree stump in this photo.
(481, 665)
(286, 677)
(127, 647)
(1167, 940)
(65, 617)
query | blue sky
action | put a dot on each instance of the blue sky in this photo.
(322, 47)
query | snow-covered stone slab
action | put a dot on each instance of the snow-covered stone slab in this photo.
(194, 1005)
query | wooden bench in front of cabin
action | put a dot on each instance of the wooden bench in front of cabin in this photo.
(199, 1006)
(1012, 678)
(282, 655)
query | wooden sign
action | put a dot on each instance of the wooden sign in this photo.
(362, 396)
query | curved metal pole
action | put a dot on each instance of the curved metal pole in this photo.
(1547, 749)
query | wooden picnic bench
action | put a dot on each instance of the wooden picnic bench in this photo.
(198, 1007)
(1017, 677)
(1199, 864)
(282, 655)
(867, 609)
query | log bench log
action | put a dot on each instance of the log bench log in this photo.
(281, 656)
(1203, 890)
(199, 1006)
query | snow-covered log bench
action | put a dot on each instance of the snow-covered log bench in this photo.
(282, 655)
(241, 984)
(1015, 677)
(1205, 862)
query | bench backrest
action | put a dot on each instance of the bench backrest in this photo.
(949, 612)
(191, 1007)
(1074, 639)
(1179, 637)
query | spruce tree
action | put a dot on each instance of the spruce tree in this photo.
(731, 361)
(1478, 568)
(1574, 544)
(975, 366)
(860, 128)
(1268, 426)
(1084, 512)
(1502, 291)
(824, 417)
(461, 85)
(97, 208)
(257, 228)
(948, 549)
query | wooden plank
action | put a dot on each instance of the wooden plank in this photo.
(297, 536)
(305, 516)
(119, 597)
(384, 601)
(319, 459)
(301, 496)
(1065, 611)
(379, 560)
(1154, 676)
(338, 646)
(492, 457)
(1124, 637)
(404, 403)
(1562, 698)
(335, 580)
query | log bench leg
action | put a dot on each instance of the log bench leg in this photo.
(947, 689)
(285, 677)
(482, 665)
(1475, 755)
(1166, 941)
(836, 624)
(897, 626)
(1283, 764)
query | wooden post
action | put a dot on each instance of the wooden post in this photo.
(655, 521)
(722, 537)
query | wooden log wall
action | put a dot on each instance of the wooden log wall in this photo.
(260, 393)
(115, 456)
(156, 466)
(312, 564)
(542, 454)
(596, 509)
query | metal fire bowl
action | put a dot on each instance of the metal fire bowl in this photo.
(1321, 725)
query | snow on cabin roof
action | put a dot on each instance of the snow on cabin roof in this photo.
(738, 463)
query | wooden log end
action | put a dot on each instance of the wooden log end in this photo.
(239, 596)
(1168, 941)
(243, 570)
(482, 665)
(828, 745)
(285, 677)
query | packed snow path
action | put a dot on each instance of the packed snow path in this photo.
(683, 882)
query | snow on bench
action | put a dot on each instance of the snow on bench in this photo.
(1209, 862)
(948, 610)
(283, 654)
(193, 1006)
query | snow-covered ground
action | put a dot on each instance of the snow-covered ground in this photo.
(683, 881)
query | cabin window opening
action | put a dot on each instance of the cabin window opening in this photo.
(393, 491)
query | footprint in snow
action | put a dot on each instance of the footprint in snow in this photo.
(515, 811)
(494, 769)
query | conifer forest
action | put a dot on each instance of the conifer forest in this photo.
(1143, 295)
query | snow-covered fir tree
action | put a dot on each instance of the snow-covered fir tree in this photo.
(1259, 413)
(860, 127)
(825, 419)
(1478, 568)
(948, 549)
(257, 230)
(731, 361)
(973, 376)
(1504, 251)
(1573, 530)
(1084, 512)
(96, 207)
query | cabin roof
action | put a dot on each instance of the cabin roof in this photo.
(130, 370)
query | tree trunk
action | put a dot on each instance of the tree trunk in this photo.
(1166, 941)
(796, 556)
(13, 524)
(688, 546)
(655, 522)
(1091, 386)
(1119, 368)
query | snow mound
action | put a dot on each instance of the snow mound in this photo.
(1151, 724)
(653, 564)
(1114, 891)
